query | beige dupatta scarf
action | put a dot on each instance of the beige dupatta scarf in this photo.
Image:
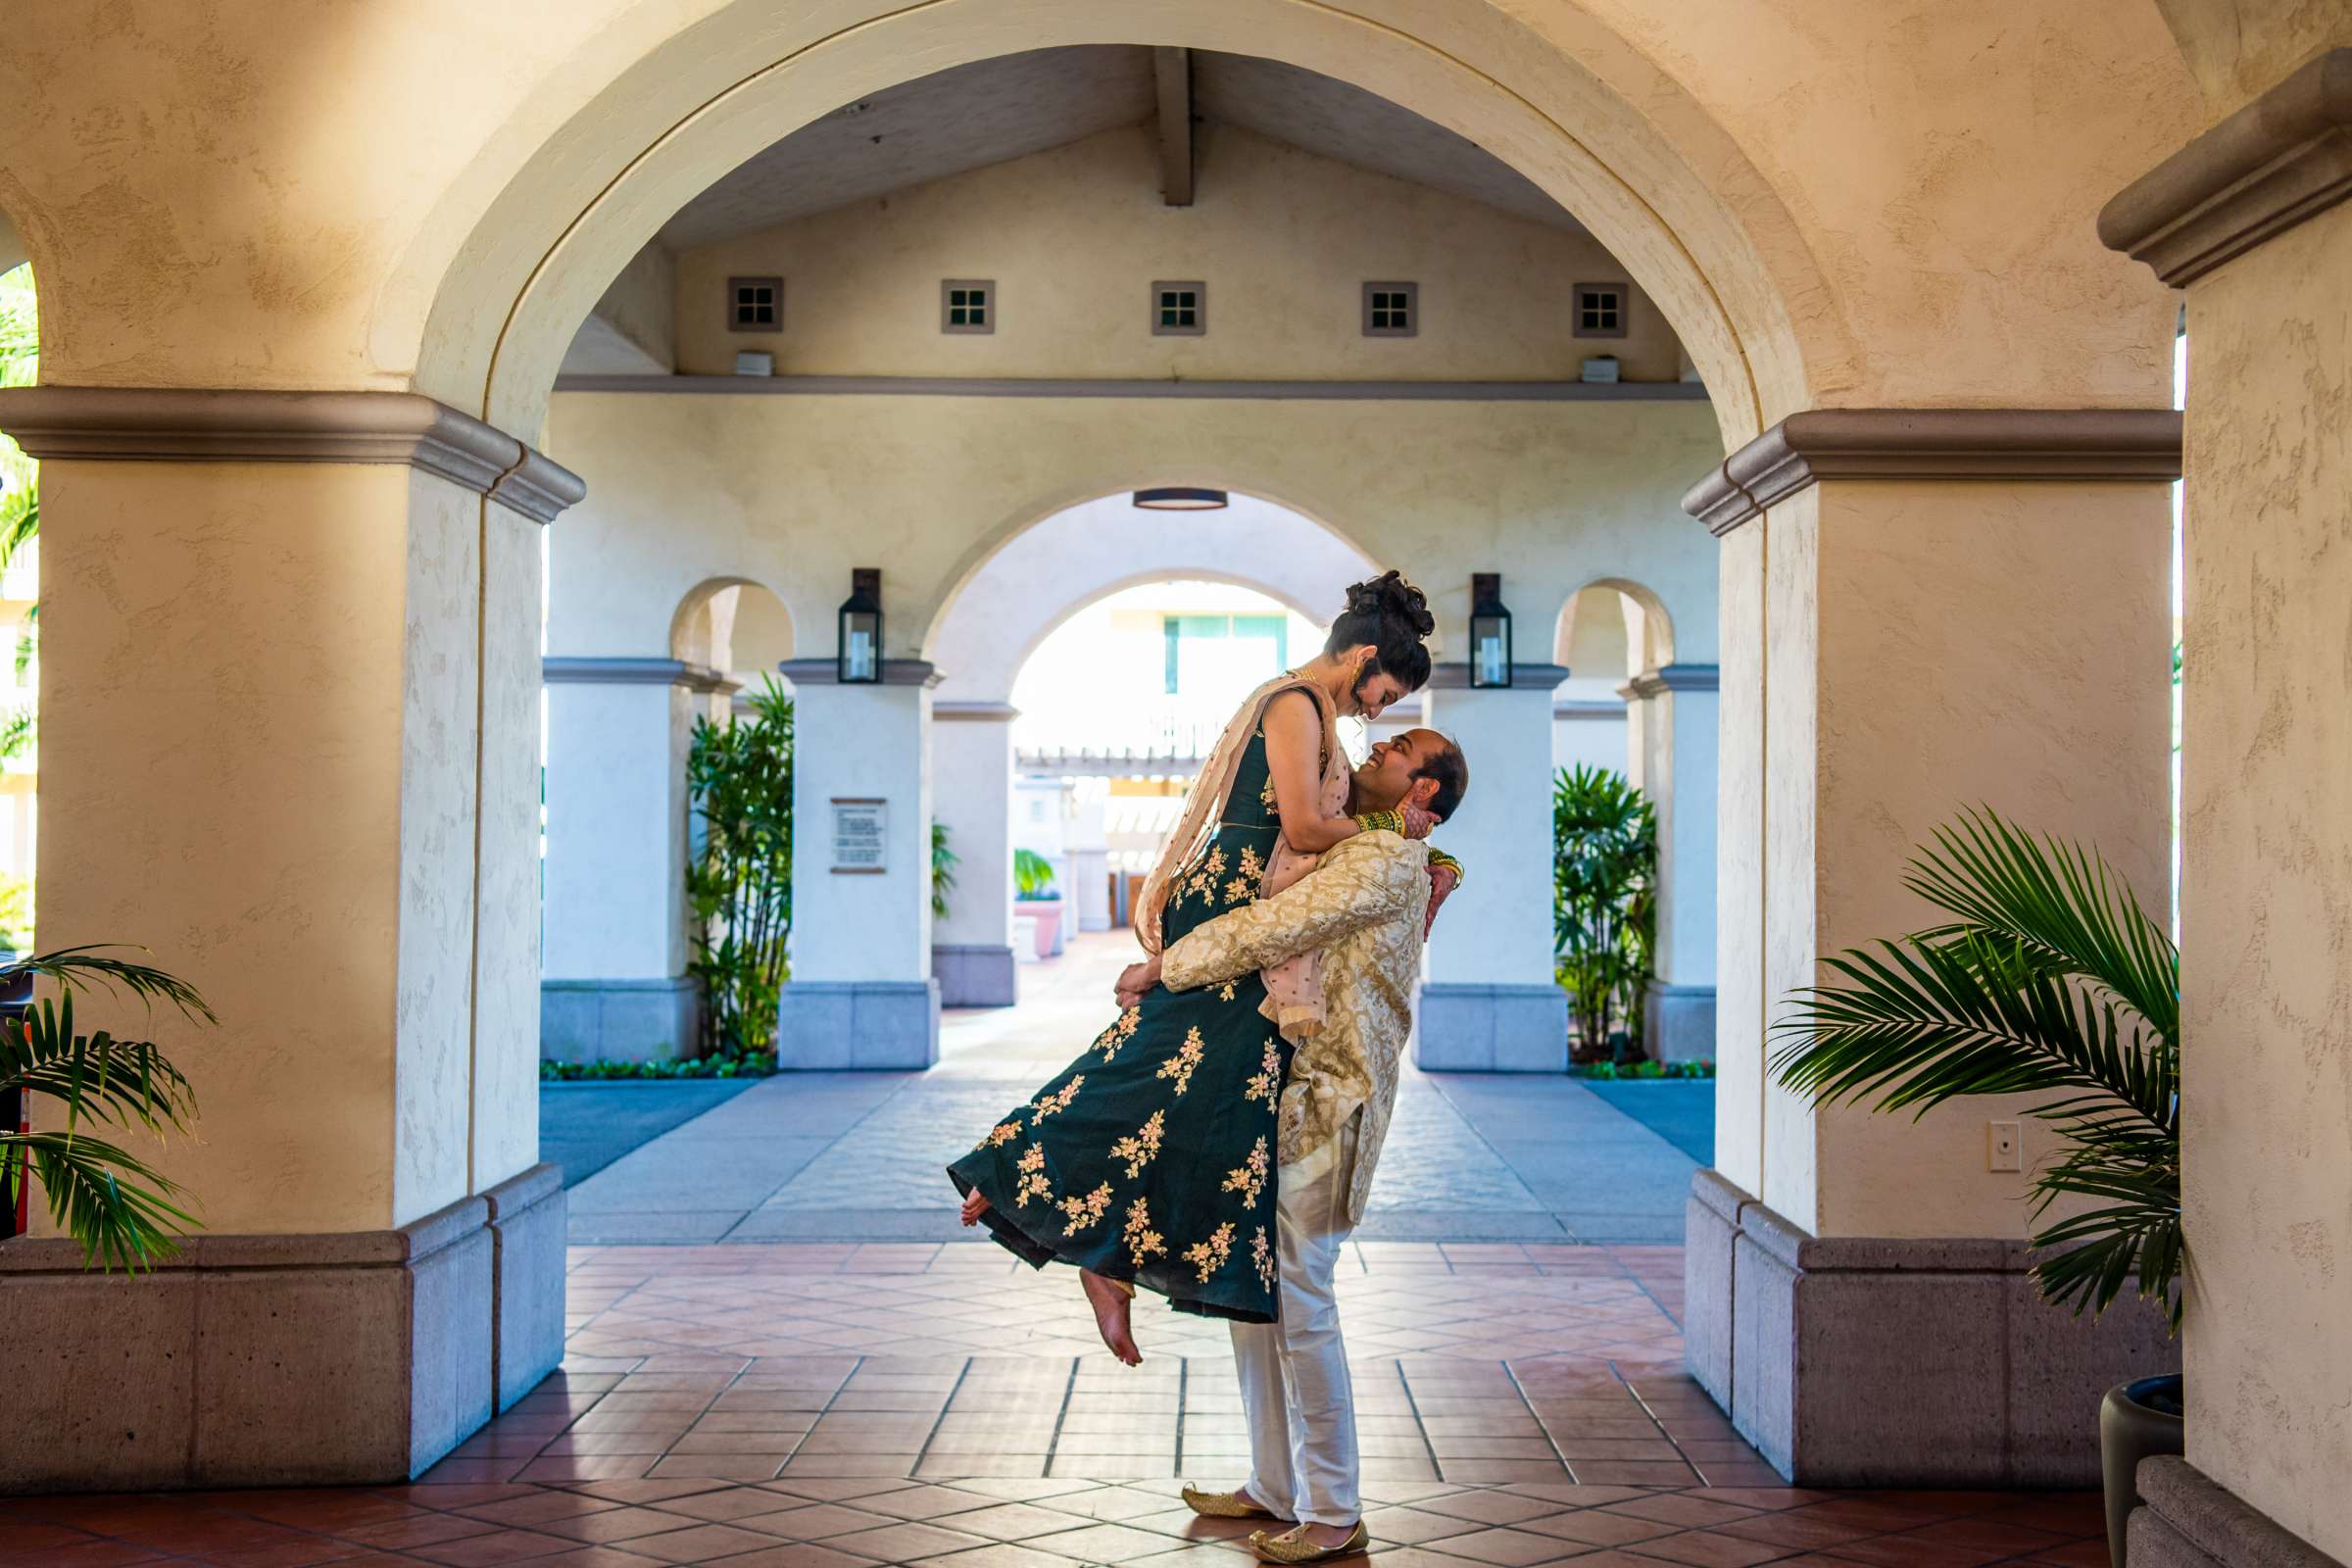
(1293, 987)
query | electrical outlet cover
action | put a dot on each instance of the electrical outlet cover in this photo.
(2003, 1142)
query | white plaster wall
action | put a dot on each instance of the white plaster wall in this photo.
(861, 742)
(795, 491)
(1741, 1096)
(1497, 929)
(507, 899)
(1582, 742)
(1678, 733)
(616, 830)
(1284, 239)
(2265, 887)
(1043, 574)
(971, 768)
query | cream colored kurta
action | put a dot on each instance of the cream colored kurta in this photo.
(1363, 907)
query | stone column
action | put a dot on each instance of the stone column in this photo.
(971, 774)
(861, 995)
(1670, 755)
(1922, 609)
(2251, 219)
(290, 745)
(614, 954)
(1489, 1002)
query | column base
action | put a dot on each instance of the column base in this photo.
(1679, 1021)
(528, 1227)
(2188, 1520)
(975, 974)
(858, 1025)
(1859, 1361)
(251, 1360)
(618, 1020)
(1496, 1028)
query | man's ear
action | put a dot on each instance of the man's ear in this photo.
(1421, 792)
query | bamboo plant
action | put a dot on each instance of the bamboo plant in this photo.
(2049, 978)
(739, 881)
(119, 1209)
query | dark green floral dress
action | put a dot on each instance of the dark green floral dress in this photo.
(1150, 1159)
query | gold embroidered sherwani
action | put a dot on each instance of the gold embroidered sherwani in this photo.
(1363, 907)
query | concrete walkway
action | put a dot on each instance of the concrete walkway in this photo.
(862, 1156)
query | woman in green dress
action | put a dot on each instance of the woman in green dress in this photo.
(1150, 1159)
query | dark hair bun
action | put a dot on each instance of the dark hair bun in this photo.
(1390, 598)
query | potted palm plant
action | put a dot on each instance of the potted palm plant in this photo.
(113, 1204)
(2049, 978)
(1037, 899)
(1604, 859)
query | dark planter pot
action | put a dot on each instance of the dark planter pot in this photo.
(2136, 1421)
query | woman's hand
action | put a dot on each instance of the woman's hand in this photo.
(1135, 981)
(1419, 823)
(1441, 881)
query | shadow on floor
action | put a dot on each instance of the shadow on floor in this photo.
(584, 1127)
(1680, 1110)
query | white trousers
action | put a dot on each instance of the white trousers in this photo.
(1295, 1395)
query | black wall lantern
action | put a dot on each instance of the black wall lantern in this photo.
(1490, 631)
(860, 644)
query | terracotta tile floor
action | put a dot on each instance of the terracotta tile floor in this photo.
(828, 1407)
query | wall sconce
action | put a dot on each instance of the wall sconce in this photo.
(1180, 498)
(861, 630)
(1490, 632)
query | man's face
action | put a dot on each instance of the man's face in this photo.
(1387, 775)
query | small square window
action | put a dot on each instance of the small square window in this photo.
(1179, 310)
(968, 304)
(755, 305)
(1600, 310)
(1391, 310)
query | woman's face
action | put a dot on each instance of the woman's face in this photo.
(1373, 688)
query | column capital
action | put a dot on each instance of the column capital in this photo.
(2284, 157)
(827, 672)
(235, 425)
(1536, 679)
(1819, 444)
(573, 672)
(1671, 678)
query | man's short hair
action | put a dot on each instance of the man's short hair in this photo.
(1452, 770)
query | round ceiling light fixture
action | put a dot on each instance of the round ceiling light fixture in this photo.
(1180, 498)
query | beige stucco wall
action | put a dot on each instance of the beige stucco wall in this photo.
(2266, 905)
(795, 491)
(1831, 209)
(1074, 237)
(259, 763)
(2239, 49)
(1895, 653)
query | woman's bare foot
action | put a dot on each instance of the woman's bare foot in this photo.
(975, 1204)
(1110, 1303)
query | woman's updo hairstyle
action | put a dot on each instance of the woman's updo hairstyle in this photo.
(1392, 615)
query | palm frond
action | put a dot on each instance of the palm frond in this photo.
(80, 966)
(120, 1209)
(2050, 980)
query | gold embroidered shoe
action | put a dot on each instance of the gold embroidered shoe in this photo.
(1292, 1547)
(1225, 1504)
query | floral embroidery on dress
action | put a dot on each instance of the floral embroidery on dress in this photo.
(1050, 1104)
(1112, 1039)
(1262, 1257)
(1249, 1179)
(1032, 1167)
(1085, 1212)
(1267, 1079)
(1225, 991)
(1142, 1239)
(1138, 1150)
(1180, 1067)
(1004, 1132)
(1208, 1256)
(1266, 798)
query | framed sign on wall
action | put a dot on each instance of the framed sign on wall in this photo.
(859, 836)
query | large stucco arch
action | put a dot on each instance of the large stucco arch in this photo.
(623, 132)
(1047, 571)
(1655, 632)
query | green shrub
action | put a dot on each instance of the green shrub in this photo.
(1603, 884)
(739, 882)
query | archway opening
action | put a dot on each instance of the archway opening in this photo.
(20, 606)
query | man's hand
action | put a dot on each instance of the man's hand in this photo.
(1135, 980)
(1441, 881)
